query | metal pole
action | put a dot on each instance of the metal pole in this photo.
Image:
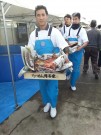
(5, 29)
(12, 27)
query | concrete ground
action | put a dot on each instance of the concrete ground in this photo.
(79, 112)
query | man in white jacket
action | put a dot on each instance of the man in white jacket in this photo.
(67, 25)
(77, 35)
(47, 40)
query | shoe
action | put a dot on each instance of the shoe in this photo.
(96, 76)
(47, 107)
(73, 88)
(84, 72)
(68, 77)
(53, 112)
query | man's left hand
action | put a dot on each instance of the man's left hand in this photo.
(79, 48)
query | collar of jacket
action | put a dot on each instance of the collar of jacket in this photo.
(45, 28)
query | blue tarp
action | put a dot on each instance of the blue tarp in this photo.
(14, 49)
(17, 64)
(16, 60)
(25, 89)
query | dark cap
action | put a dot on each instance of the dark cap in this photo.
(76, 14)
(93, 23)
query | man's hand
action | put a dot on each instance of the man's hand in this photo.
(79, 48)
(66, 50)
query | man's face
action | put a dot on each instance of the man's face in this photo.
(68, 21)
(76, 20)
(41, 17)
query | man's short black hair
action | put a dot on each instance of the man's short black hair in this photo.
(61, 25)
(76, 15)
(93, 23)
(68, 16)
(41, 7)
(99, 26)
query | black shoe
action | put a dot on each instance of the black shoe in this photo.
(84, 72)
(96, 76)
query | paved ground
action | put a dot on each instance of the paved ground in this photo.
(79, 112)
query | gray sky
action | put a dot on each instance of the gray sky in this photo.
(89, 9)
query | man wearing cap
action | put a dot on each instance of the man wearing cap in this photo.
(91, 51)
(76, 35)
